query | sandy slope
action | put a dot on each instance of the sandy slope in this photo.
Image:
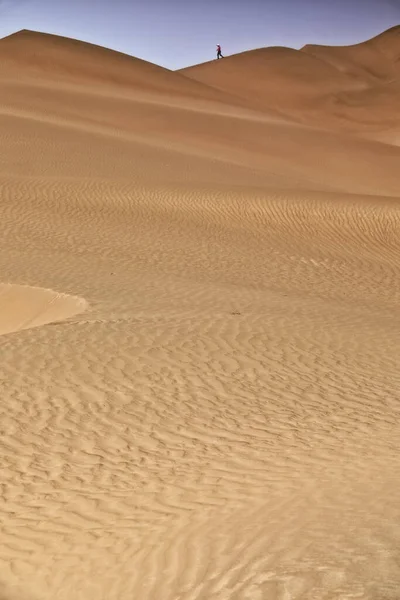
(207, 405)
(376, 59)
(351, 88)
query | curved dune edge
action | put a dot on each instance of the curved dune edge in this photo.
(24, 307)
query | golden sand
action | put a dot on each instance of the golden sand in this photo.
(200, 283)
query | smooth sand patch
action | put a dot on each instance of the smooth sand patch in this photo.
(23, 307)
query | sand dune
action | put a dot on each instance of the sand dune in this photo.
(377, 59)
(48, 60)
(199, 367)
(273, 75)
(352, 88)
(164, 133)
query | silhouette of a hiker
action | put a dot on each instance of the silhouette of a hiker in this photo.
(219, 52)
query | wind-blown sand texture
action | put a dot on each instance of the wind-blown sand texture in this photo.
(199, 326)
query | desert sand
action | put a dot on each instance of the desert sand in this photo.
(199, 333)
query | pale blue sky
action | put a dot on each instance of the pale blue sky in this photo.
(177, 33)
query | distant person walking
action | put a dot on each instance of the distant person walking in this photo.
(219, 52)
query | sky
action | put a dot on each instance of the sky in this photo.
(178, 33)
